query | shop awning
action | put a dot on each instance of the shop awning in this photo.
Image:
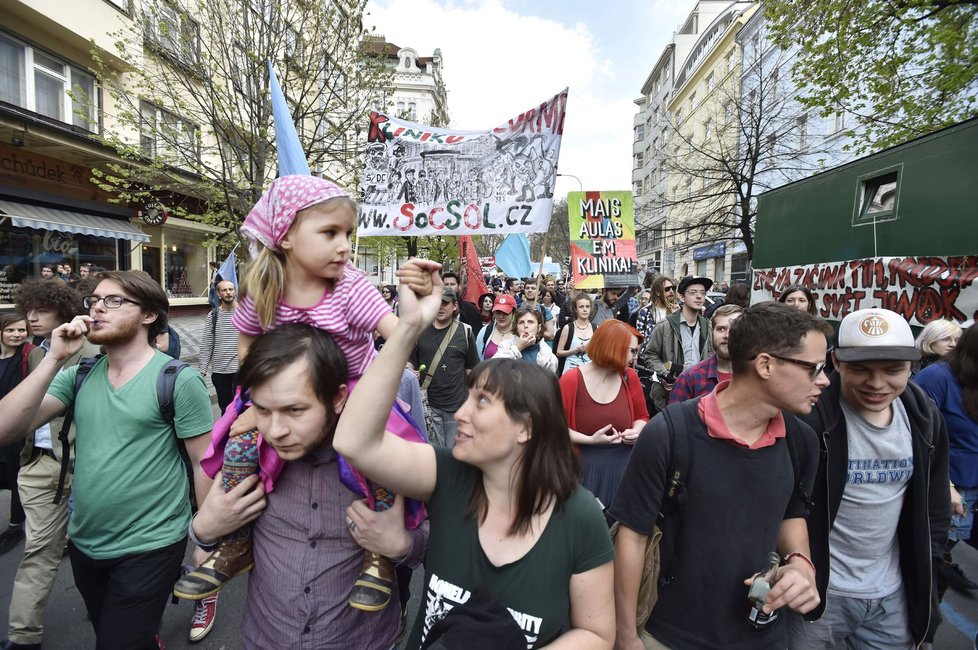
(23, 215)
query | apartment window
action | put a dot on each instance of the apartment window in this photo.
(639, 160)
(730, 59)
(692, 101)
(710, 82)
(878, 197)
(39, 82)
(400, 109)
(166, 136)
(636, 187)
(840, 121)
(172, 30)
(707, 129)
(412, 111)
(639, 132)
(801, 128)
(728, 112)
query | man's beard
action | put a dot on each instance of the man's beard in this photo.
(115, 336)
(724, 355)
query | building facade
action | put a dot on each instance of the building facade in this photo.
(52, 110)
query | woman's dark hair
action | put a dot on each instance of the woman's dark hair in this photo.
(276, 350)
(738, 294)
(548, 471)
(812, 309)
(142, 288)
(771, 327)
(391, 288)
(6, 320)
(963, 360)
(490, 296)
(35, 293)
(548, 292)
(530, 310)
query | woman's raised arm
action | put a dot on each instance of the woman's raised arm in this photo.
(407, 468)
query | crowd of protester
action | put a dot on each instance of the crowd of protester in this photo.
(368, 432)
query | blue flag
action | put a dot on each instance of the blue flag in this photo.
(513, 256)
(228, 271)
(291, 157)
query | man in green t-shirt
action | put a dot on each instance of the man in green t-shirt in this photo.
(131, 512)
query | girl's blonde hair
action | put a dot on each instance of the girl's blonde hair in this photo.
(264, 278)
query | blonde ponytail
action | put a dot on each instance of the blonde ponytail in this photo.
(264, 281)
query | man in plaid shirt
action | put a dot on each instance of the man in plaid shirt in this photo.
(702, 378)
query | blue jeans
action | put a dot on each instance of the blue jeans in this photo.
(855, 624)
(961, 525)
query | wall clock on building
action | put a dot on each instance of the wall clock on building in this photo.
(153, 214)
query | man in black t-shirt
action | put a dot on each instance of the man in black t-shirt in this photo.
(745, 493)
(444, 378)
(468, 313)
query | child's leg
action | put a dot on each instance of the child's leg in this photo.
(233, 556)
(372, 590)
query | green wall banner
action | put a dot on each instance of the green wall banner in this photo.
(602, 239)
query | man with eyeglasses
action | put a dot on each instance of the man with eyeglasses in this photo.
(745, 493)
(882, 502)
(681, 340)
(128, 529)
(46, 305)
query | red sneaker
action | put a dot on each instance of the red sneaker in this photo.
(205, 611)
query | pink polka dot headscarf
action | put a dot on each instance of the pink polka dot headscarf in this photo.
(269, 221)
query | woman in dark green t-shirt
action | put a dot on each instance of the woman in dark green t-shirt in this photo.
(507, 514)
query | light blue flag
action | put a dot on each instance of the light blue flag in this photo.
(228, 271)
(291, 157)
(513, 256)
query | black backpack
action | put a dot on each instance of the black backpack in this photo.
(165, 385)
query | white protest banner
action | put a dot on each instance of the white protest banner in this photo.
(919, 288)
(423, 181)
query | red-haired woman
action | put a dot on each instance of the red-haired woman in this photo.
(605, 406)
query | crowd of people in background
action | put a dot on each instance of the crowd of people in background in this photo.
(549, 411)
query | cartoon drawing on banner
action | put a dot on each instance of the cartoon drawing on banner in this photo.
(421, 180)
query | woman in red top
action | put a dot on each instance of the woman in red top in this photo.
(605, 407)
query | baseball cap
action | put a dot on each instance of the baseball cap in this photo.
(504, 303)
(875, 335)
(448, 295)
(693, 279)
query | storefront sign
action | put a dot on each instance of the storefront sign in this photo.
(422, 180)
(26, 169)
(920, 289)
(602, 234)
(718, 249)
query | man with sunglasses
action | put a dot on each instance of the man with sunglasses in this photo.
(131, 513)
(882, 503)
(680, 340)
(743, 494)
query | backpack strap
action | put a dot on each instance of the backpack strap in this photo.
(792, 433)
(214, 315)
(166, 383)
(674, 498)
(84, 367)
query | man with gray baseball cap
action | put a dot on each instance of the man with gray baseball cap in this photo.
(881, 507)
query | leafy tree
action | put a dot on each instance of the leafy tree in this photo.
(189, 106)
(902, 68)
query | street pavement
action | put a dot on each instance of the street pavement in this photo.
(67, 628)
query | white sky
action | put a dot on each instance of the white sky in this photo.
(503, 56)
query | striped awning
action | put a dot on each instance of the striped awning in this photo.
(23, 215)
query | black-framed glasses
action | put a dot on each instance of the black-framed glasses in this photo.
(814, 369)
(111, 302)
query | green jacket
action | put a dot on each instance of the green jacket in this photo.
(665, 345)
